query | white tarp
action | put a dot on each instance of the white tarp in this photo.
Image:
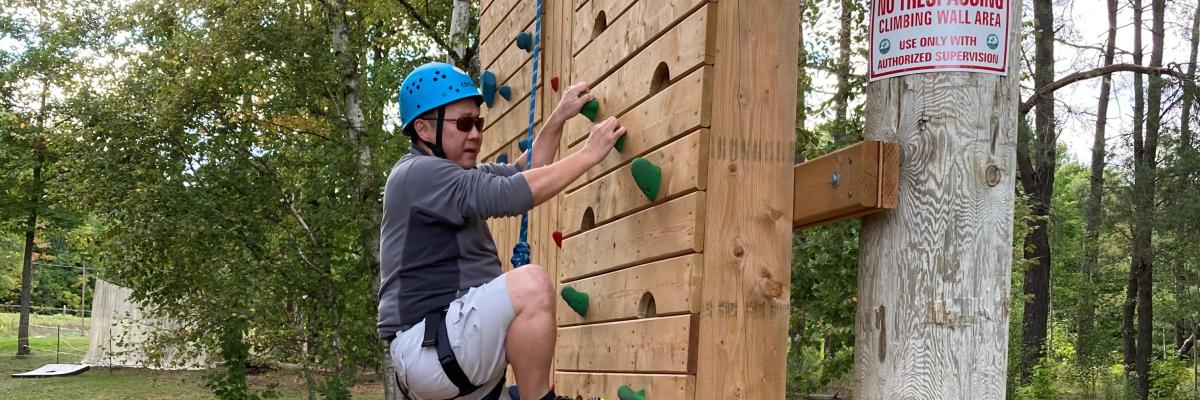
(119, 328)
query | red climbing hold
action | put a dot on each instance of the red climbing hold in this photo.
(554, 83)
(557, 238)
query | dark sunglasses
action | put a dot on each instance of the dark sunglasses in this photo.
(464, 123)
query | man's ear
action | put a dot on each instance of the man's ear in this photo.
(423, 129)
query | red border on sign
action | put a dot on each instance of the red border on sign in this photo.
(871, 50)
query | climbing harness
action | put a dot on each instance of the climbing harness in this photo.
(520, 255)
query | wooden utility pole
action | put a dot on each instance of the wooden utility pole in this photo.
(933, 281)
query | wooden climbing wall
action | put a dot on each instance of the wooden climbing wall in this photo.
(689, 292)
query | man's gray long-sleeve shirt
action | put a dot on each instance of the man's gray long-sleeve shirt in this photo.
(434, 243)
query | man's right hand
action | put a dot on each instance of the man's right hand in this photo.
(603, 137)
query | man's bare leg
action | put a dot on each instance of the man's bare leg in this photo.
(531, 337)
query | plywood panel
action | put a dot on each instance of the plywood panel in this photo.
(670, 229)
(676, 53)
(588, 16)
(638, 27)
(678, 110)
(645, 345)
(504, 37)
(617, 193)
(599, 385)
(672, 284)
(854, 181)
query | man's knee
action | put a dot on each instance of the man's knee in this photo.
(530, 285)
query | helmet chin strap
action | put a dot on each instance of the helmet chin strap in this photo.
(436, 148)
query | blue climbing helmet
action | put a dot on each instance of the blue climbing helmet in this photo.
(431, 87)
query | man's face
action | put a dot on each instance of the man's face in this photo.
(461, 147)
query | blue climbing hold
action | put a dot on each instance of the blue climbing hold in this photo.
(488, 82)
(502, 158)
(523, 144)
(505, 92)
(525, 41)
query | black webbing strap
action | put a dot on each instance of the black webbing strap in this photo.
(437, 337)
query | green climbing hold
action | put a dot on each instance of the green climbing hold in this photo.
(590, 110)
(626, 393)
(576, 299)
(525, 41)
(620, 145)
(648, 177)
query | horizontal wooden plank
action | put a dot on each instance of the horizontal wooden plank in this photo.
(684, 169)
(680, 109)
(587, 385)
(673, 55)
(658, 345)
(666, 230)
(589, 16)
(664, 287)
(519, 83)
(508, 128)
(503, 38)
(496, 15)
(857, 180)
(635, 30)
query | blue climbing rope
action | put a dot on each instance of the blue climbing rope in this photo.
(520, 255)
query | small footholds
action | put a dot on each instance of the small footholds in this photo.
(487, 81)
(627, 393)
(590, 110)
(525, 41)
(523, 144)
(558, 238)
(505, 92)
(502, 158)
(647, 176)
(554, 83)
(578, 301)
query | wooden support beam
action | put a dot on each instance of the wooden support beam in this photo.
(857, 180)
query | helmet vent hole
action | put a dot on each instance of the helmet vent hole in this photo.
(662, 78)
(601, 25)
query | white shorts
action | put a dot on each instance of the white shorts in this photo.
(477, 325)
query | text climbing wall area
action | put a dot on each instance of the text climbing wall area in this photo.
(678, 242)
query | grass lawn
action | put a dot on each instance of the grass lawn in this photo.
(118, 383)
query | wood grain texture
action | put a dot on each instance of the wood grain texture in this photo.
(589, 15)
(503, 39)
(519, 82)
(854, 181)
(679, 52)
(628, 35)
(678, 110)
(497, 15)
(511, 127)
(747, 252)
(600, 385)
(617, 194)
(659, 345)
(934, 273)
(673, 284)
(669, 229)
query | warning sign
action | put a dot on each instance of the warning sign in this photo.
(914, 36)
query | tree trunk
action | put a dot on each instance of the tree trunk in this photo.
(1087, 305)
(1039, 186)
(460, 20)
(934, 280)
(1145, 153)
(1139, 117)
(802, 86)
(841, 99)
(1189, 98)
(35, 204)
